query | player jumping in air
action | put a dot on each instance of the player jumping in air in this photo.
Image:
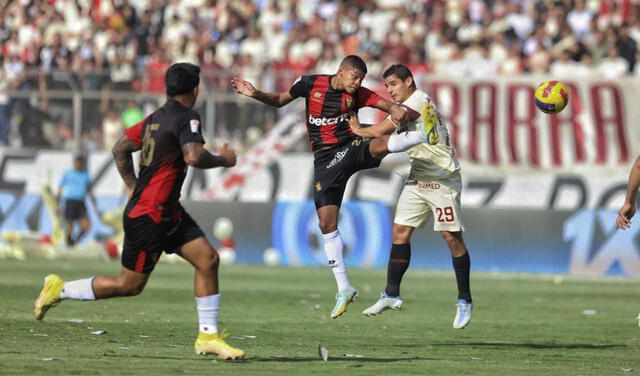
(432, 190)
(338, 153)
(154, 221)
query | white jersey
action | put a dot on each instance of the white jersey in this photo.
(434, 159)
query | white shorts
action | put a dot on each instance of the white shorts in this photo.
(439, 199)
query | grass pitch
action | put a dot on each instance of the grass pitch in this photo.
(522, 325)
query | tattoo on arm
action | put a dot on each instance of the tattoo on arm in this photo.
(122, 151)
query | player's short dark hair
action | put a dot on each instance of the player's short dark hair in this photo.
(354, 62)
(80, 158)
(181, 78)
(401, 71)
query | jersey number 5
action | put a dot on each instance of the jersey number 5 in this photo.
(148, 145)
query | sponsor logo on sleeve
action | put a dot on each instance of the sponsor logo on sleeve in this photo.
(195, 126)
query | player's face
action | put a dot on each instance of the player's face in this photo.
(351, 79)
(196, 91)
(398, 89)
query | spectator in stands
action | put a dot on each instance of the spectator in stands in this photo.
(613, 66)
(563, 67)
(627, 46)
(131, 115)
(130, 44)
(5, 114)
(112, 129)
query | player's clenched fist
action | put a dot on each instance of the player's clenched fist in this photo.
(228, 154)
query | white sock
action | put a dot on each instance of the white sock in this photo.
(333, 250)
(80, 289)
(208, 308)
(399, 142)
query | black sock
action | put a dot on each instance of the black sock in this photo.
(80, 235)
(398, 264)
(462, 266)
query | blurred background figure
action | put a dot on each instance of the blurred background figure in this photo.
(75, 187)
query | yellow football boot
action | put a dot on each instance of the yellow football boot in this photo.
(215, 344)
(49, 295)
(343, 299)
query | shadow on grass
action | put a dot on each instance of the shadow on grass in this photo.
(284, 359)
(529, 345)
(334, 359)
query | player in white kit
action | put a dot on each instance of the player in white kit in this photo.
(431, 190)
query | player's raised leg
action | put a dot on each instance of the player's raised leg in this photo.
(333, 247)
(399, 259)
(128, 283)
(395, 143)
(205, 260)
(461, 266)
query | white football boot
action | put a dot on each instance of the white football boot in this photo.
(463, 314)
(384, 303)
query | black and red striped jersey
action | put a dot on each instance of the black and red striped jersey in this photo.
(327, 109)
(160, 137)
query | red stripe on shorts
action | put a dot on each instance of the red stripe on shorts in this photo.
(142, 257)
(402, 261)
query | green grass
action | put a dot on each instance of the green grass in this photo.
(522, 325)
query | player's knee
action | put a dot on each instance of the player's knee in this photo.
(401, 234)
(210, 262)
(454, 242)
(214, 259)
(327, 225)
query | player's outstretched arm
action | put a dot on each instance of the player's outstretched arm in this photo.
(628, 209)
(122, 154)
(376, 130)
(272, 99)
(196, 155)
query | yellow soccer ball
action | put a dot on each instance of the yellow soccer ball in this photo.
(551, 97)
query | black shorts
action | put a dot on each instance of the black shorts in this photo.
(145, 240)
(334, 167)
(74, 209)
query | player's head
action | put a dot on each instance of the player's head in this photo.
(79, 162)
(399, 82)
(351, 73)
(182, 80)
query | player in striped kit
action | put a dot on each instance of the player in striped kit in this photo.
(338, 153)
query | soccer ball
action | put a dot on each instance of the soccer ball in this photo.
(551, 97)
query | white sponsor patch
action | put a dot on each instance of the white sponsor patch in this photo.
(195, 124)
(336, 159)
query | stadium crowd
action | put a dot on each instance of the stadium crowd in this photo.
(111, 46)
